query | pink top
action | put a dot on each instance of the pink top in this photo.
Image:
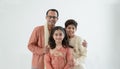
(59, 59)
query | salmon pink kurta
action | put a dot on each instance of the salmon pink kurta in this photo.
(35, 45)
(59, 59)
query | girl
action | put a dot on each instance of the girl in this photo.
(59, 55)
(79, 47)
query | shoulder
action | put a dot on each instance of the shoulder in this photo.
(39, 27)
(68, 49)
(78, 38)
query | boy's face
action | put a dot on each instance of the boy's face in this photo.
(70, 29)
(58, 36)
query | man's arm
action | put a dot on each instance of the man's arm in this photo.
(33, 43)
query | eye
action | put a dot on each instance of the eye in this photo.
(60, 34)
(54, 17)
(73, 28)
(56, 34)
(69, 27)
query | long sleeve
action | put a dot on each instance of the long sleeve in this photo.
(80, 61)
(33, 43)
(83, 51)
(47, 61)
(79, 51)
(83, 55)
(69, 62)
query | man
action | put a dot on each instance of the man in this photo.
(39, 39)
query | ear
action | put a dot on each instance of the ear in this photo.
(65, 28)
(46, 17)
(57, 18)
(75, 29)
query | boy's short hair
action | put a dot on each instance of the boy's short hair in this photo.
(71, 22)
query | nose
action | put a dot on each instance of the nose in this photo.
(58, 36)
(71, 29)
(51, 18)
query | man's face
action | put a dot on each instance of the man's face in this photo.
(51, 18)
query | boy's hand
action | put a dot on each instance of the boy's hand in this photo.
(84, 43)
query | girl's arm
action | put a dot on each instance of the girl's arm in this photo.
(69, 59)
(47, 61)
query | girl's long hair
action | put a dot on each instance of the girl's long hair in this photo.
(51, 41)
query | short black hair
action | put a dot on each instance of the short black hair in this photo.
(52, 10)
(71, 22)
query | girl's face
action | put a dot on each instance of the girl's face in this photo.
(70, 29)
(58, 36)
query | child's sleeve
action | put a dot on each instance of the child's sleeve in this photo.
(83, 51)
(69, 60)
(47, 61)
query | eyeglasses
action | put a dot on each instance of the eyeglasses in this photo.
(54, 17)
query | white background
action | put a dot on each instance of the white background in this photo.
(99, 22)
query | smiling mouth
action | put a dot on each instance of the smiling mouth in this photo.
(70, 32)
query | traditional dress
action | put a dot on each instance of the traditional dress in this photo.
(79, 52)
(37, 42)
(59, 59)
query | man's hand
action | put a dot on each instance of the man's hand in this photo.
(46, 49)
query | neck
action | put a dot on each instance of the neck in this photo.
(49, 28)
(58, 46)
(71, 36)
(58, 43)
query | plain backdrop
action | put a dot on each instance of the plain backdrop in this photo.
(98, 20)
